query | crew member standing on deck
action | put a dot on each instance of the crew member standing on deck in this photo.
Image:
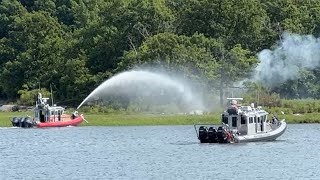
(233, 109)
(75, 114)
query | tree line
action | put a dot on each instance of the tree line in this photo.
(74, 45)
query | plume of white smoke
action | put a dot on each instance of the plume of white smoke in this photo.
(292, 54)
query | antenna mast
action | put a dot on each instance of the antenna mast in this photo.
(51, 95)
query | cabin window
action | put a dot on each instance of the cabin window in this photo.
(234, 121)
(255, 119)
(243, 120)
(225, 119)
(251, 120)
(258, 119)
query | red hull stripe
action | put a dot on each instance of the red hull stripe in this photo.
(71, 122)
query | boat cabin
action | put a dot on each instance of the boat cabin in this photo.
(247, 120)
(43, 112)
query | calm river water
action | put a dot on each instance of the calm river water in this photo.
(154, 152)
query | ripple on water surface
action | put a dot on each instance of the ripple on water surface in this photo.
(153, 152)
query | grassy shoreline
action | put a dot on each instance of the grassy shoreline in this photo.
(101, 119)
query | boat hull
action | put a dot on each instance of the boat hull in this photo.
(268, 136)
(203, 135)
(72, 122)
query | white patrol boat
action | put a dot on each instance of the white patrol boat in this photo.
(242, 124)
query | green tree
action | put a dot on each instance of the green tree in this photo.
(111, 28)
(197, 57)
(235, 22)
(37, 40)
(28, 97)
(306, 86)
(301, 17)
(173, 53)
